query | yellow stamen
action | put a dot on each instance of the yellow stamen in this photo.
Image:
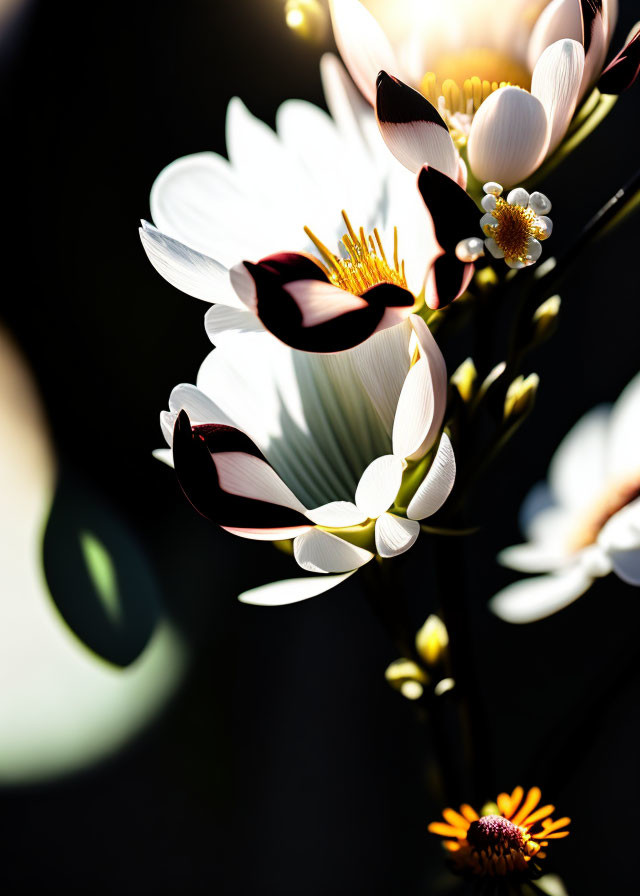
(463, 80)
(514, 227)
(366, 264)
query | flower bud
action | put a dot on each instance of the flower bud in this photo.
(464, 379)
(545, 320)
(432, 641)
(520, 396)
(407, 677)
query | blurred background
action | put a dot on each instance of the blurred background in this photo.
(155, 735)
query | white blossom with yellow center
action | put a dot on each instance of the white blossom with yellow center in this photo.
(583, 523)
(513, 227)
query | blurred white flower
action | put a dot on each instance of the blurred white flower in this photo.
(332, 451)
(585, 523)
(505, 75)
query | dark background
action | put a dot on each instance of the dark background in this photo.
(285, 764)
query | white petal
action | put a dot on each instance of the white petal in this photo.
(223, 324)
(281, 534)
(351, 113)
(437, 484)
(552, 527)
(319, 302)
(532, 557)
(508, 136)
(198, 406)
(318, 551)
(624, 439)
(336, 515)
(379, 485)
(395, 535)
(165, 455)
(167, 423)
(251, 477)
(418, 143)
(189, 271)
(363, 45)
(382, 363)
(423, 398)
(559, 19)
(578, 469)
(556, 83)
(430, 350)
(533, 599)
(493, 248)
(415, 410)
(622, 531)
(290, 591)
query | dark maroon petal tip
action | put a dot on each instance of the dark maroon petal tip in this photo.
(455, 217)
(193, 450)
(623, 70)
(397, 103)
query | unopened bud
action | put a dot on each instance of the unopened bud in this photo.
(432, 641)
(545, 319)
(407, 677)
(464, 379)
(521, 396)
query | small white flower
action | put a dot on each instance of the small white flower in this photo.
(513, 227)
(585, 522)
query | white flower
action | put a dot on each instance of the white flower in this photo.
(586, 522)
(332, 451)
(233, 232)
(505, 75)
(513, 227)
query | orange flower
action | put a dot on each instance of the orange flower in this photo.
(512, 841)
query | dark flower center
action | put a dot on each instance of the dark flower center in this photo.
(496, 832)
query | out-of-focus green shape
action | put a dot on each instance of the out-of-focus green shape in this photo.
(97, 573)
(62, 707)
(103, 574)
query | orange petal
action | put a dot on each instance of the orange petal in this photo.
(469, 812)
(548, 826)
(454, 818)
(452, 845)
(514, 800)
(558, 836)
(539, 814)
(504, 804)
(531, 801)
(446, 830)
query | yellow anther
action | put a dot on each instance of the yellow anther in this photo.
(366, 264)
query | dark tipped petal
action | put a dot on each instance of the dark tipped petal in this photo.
(193, 450)
(591, 19)
(623, 69)
(412, 128)
(293, 311)
(389, 295)
(455, 217)
(291, 266)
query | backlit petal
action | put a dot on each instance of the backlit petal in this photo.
(318, 551)
(291, 591)
(437, 484)
(508, 137)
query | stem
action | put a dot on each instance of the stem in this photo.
(392, 611)
(455, 613)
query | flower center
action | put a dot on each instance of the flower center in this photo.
(514, 227)
(618, 496)
(462, 80)
(363, 263)
(495, 832)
